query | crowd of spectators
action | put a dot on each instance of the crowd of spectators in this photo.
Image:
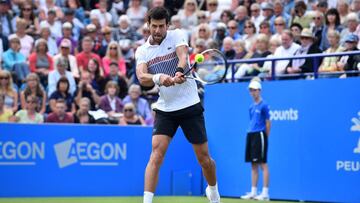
(73, 61)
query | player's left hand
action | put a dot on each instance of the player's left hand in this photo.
(179, 78)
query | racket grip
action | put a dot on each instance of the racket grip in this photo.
(192, 67)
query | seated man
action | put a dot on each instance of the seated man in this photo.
(347, 62)
(60, 115)
(85, 89)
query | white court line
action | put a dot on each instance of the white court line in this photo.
(99, 163)
(17, 163)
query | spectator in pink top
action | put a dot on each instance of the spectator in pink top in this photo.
(113, 54)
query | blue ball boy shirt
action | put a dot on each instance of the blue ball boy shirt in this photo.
(258, 113)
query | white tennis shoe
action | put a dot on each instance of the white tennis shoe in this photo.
(212, 198)
(248, 196)
(262, 197)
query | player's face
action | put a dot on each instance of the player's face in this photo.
(255, 93)
(158, 30)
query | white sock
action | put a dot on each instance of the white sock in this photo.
(148, 197)
(214, 193)
(265, 190)
(213, 188)
(253, 190)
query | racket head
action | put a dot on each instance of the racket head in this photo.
(213, 69)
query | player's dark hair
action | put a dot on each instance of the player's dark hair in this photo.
(158, 13)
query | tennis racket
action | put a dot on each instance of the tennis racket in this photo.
(211, 71)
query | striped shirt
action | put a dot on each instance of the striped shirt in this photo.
(163, 59)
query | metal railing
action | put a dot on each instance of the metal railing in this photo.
(315, 59)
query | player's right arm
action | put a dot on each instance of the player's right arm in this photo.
(146, 79)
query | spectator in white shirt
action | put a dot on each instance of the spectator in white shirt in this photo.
(102, 14)
(57, 73)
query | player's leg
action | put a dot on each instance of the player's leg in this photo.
(160, 144)
(264, 167)
(265, 170)
(209, 170)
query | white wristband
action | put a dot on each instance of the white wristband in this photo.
(156, 79)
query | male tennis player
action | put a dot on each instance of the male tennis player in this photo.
(257, 141)
(162, 60)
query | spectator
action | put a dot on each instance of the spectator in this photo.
(67, 34)
(130, 117)
(318, 26)
(241, 16)
(296, 31)
(274, 44)
(110, 102)
(300, 16)
(97, 79)
(329, 64)
(226, 16)
(46, 35)
(352, 21)
(265, 29)
(28, 15)
(188, 16)
(228, 48)
(343, 8)
(332, 22)
(59, 115)
(280, 26)
(307, 47)
(93, 31)
(40, 62)
(33, 88)
(268, 13)
(79, 10)
(202, 17)
(145, 33)
(232, 30)
(141, 105)
(347, 62)
(118, 78)
(47, 6)
(7, 90)
(26, 41)
(176, 24)
(213, 12)
(288, 48)
(136, 13)
(85, 89)
(14, 61)
(200, 46)
(83, 57)
(77, 25)
(106, 39)
(256, 16)
(279, 12)
(59, 72)
(125, 31)
(5, 113)
(7, 25)
(220, 33)
(29, 113)
(249, 35)
(203, 31)
(65, 47)
(82, 115)
(102, 14)
(113, 54)
(322, 6)
(62, 92)
(54, 24)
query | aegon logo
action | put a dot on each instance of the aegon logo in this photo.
(70, 152)
(284, 115)
(22, 153)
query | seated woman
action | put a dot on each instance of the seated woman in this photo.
(113, 54)
(30, 114)
(62, 92)
(40, 62)
(130, 117)
(109, 102)
(329, 64)
(8, 91)
(5, 114)
(96, 77)
(34, 88)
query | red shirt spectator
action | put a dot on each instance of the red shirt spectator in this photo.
(83, 57)
(60, 115)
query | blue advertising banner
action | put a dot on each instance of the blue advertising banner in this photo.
(93, 160)
(314, 144)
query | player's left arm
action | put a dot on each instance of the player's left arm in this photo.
(268, 127)
(267, 119)
(182, 54)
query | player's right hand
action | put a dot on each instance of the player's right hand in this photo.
(166, 80)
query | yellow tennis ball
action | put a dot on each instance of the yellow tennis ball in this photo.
(199, 58)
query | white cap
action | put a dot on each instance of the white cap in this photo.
(255, 85)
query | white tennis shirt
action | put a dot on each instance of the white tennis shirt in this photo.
(163, 59)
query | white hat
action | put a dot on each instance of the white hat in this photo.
(67, 25)
(255, 85)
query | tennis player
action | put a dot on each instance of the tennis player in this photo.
(257, 141)
(162, 60)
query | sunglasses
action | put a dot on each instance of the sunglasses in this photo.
(128, 110)
(113, 48)
(4, 78)
(233, 28)
(264, 27)
(191, 4)
(202, 17)
(26, 9)
(31, 102)
(248, 27)
(65, 48)
(279, 24)
(202, 30)
(106, 33)
(212, 4)
(255, 10)
(316, 18)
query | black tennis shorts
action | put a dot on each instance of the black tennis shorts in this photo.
(190, 119)
(256, 147)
